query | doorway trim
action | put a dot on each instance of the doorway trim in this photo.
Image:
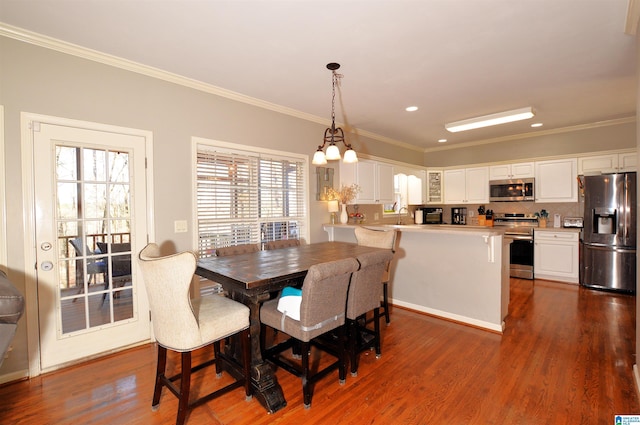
(3, 199)
(27, 121)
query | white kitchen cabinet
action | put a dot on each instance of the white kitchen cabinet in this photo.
(415, 189)
(466, 186)
(555, 255)
(556, 180)
(374, 178)
(434, 187)
(518, 170)
(609, 163)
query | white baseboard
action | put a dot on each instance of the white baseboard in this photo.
(451, 316)
(14, 376)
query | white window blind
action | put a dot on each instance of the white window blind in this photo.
(247, 197)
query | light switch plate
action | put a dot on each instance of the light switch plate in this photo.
(180, 226)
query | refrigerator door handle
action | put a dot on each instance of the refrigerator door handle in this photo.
(610, 248)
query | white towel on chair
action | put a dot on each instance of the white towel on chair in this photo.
(289, 302)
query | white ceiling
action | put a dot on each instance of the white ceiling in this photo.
(569, 59)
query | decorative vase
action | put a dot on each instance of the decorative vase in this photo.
(542, 222)
(344, 217)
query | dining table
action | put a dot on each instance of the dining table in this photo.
(255, 277)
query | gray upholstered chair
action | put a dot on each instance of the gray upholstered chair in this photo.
(237, 250)
(380, 239)
(364, 296)
(322, 309)
(282, 243)
(11, 309)
(183, 325)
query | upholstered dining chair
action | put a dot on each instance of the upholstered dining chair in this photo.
(322, 309)
(380, 239)
(237, 250)
(282, 243)
(183, 325)
(364, 296)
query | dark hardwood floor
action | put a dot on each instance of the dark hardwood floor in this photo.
(566, 357)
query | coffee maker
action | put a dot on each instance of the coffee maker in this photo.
(459, 215)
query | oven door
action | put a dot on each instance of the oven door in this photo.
(521, 257)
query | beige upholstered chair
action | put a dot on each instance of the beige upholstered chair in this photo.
(364, 296)
(237, 250)
(380, 239)
(182, 325)
(282, 243)
(322, 309)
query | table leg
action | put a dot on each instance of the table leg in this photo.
(263, 380)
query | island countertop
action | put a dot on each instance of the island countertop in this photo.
(456, 272)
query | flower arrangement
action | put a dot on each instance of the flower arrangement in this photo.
(345, 194)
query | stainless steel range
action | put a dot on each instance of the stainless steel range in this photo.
(519, 228)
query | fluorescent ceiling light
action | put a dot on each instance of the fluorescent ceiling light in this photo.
(493, 119)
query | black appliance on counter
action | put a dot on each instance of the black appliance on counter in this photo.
(459, 215)
(431, 215)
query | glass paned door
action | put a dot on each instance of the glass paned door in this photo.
(90, 200)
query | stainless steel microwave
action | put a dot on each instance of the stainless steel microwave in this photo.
(514, 190)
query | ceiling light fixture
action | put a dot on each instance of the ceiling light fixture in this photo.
(411, 108)
(332, 135)
(493, 119)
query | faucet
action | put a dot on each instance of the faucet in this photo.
(400, 212)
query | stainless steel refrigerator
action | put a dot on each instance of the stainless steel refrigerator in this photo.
(608, 243)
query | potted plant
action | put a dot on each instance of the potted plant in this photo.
(543, 215)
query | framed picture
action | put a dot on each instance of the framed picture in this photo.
(324, 181)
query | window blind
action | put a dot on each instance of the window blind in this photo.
(247, 197)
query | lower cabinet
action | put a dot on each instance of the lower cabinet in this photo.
(555, 255)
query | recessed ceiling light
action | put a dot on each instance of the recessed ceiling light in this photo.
(411, 108)
(537, 124)
(442, 140)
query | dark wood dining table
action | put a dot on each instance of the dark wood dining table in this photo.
(253, 278)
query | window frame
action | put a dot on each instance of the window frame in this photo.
(259, 222)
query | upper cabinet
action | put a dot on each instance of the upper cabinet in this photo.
(609, 163)
(556, 180)
(374, 178)
(466, 185)
(518, 170)
(434, 187)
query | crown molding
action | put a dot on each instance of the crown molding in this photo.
(40, 40)
(524, 136)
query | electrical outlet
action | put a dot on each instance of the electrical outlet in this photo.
(180, 226)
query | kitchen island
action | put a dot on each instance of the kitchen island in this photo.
(459, 273)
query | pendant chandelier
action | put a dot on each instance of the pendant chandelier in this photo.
(333, 135)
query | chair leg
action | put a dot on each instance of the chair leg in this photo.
(160, 368)
(185, 384)
(385, 302)
(342, 356)
(306, 385)
(353, 346)
(376, 330)
(246, 360)
(216, 355)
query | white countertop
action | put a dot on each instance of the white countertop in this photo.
(425, 228)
